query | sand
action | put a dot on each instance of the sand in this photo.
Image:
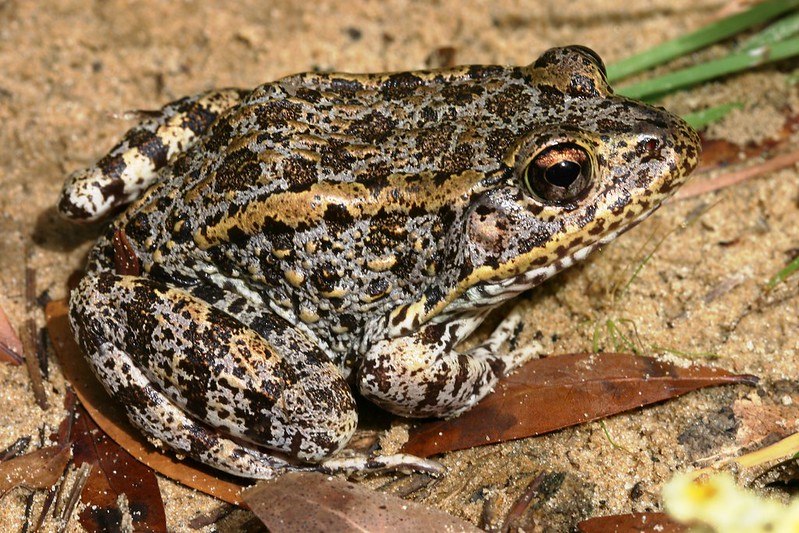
(70, 69)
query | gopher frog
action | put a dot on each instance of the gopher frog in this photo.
(329, 231)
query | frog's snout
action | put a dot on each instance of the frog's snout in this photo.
(685, 148)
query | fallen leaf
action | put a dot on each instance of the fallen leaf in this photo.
(112, 420)
(556, 392)
(10, 345)
(308, 502)
(760, 421)
(126, 262)
(631, 523)
(119, 487)
(722, 153)
(39, 469)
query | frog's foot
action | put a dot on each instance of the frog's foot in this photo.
(422, 375)
(133, 164)
(507, 331)
(207, 385)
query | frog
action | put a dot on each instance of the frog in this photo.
(331, 235)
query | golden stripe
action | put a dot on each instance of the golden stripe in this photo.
(308, 207)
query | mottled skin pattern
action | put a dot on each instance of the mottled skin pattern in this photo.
(333, 230)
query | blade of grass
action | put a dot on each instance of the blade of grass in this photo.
(618, 339)
(620, 289)
(780, 30)
(778, 278)
(700, 119)
(687, 355)
(649, 89)
(693, 41)
(610, 439)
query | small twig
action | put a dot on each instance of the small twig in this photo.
(41, 353)
(521, 504)
(212, 517)
(32, 363)
(74, 494)
(47, 504)
(698, 188)
(59, 497)
(28, 512)
(404, 486)
(16, 448)
(30, 344)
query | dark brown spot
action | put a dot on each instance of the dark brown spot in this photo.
(239, 170)
(373, 128)
(400, 86)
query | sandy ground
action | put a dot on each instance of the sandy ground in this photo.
(67, 67)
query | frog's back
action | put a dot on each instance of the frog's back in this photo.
(314, 166)
(333, 127)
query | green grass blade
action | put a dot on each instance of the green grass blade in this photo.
(792, 267)
(686, 355)
(693, 41)
(649, 89)
(782, 29)
(700, 119)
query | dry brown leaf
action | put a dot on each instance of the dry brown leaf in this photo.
(631, 523)
(119, 487)
(113, 421)
(39, 469)
(311, 502)
(761, 421)
(556, 392)
(10, 346)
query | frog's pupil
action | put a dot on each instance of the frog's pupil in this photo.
(563, 173)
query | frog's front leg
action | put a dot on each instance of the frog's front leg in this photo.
(422, 374)
(207, 384)
(133, 164)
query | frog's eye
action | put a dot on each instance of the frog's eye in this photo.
(559, 173)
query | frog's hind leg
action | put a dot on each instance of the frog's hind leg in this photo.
(183, 369)
(133, 164)
(157, 416)
(252, 403)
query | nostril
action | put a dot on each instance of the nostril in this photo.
(650, 145)
(648, 148)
